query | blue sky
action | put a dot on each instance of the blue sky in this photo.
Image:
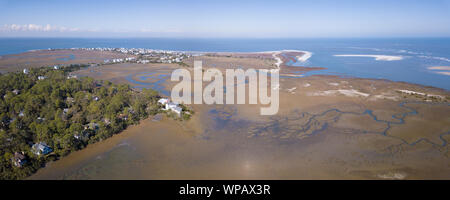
(252, 18)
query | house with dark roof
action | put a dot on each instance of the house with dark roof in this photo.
(41, 148)
(19, 159)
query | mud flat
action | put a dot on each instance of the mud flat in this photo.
(283, 59)
(317, 139)
(327, 127)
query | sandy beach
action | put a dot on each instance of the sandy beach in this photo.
(377, 57)
(444, 70)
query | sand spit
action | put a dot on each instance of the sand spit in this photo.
(281, 58)
(377, 57)
(384, 96)
(420, 93)
(444, 73)
(445, 70)
(292, 75)
(303, 58)
(306, 55)
(349, 93)
(278, 59)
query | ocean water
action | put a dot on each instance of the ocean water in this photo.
(418, 54)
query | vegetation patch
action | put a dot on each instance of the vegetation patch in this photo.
(47, 113)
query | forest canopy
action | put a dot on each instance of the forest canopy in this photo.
(46, 113)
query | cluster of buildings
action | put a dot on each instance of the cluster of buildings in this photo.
(150, 58)
(19, 159)
(170, 106)
(70, 76)
(55, 67)
(119, 60)
(142, 55)
(164, 57)
(133, 51)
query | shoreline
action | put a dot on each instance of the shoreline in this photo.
(174, 145)
(377, 57)
(280, 61)
(332, 94)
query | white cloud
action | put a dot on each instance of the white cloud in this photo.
(36, 28)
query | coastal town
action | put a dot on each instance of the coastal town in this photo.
(141, 55)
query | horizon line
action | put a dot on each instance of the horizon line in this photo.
(176, 37)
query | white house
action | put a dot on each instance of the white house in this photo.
(26, 71)
(41, 77)
(56, 67)
(41, 148)
(173, 107)
(143, 61)
(117, 60)
(163, 101)
(130, 59)
(71, 76)
(177, 110)
(170, 106)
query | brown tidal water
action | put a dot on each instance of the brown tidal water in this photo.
(218, 143)
(165, 150)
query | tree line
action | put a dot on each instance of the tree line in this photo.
(47, 105)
